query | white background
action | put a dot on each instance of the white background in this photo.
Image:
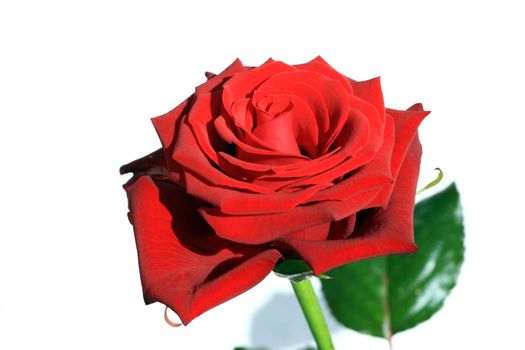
(80, 80)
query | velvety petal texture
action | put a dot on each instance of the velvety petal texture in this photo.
(266, 163)
(182, 263)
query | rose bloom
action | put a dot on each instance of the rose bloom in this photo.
(266, 163)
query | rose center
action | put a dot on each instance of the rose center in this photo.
(282, 121)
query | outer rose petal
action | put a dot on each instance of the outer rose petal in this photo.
(371, 92)
(166, 125)
(405, 125)
(258, 229)
(319, 65)
(215, 81)
(388, 231)
(182, 263)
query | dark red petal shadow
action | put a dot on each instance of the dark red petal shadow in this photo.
(151, 164)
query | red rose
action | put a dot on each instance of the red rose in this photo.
(263, 163)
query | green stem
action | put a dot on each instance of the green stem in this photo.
(312, 311)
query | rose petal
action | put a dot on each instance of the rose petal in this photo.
(344, 167)
(315, 102)
(343, 228)
(405, 125)
(332, 91)
(248, 152)
(232, 201)
(275, 176)
(216, 81)
(242, 170)
(244, 83)
(371, 92)
(293, 171)
(355, 151)
(316, 232)
(374, 173)
(319, 65)
(200, 118)
(387, 231)
(166, 125)
(187, 153)
(182, 263)
(360, 110)
(226, 193)
(291, 113)
(268, 227)
(147, 164)
(241, 116)
(281, 132)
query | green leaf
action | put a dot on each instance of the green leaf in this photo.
(386, 295)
